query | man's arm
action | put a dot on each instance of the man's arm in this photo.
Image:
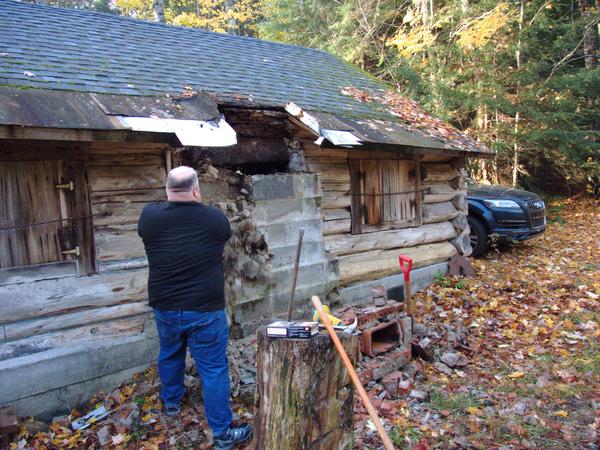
(143, 222)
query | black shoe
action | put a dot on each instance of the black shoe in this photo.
(232, 437)
(172, 410)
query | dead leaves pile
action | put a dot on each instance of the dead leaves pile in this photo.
(412, 116)
(136, 422)
(533, 321)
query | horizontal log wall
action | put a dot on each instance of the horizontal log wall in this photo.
(40, 312)
(122, 179)
(373, 255)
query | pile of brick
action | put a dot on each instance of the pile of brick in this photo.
(386, 336)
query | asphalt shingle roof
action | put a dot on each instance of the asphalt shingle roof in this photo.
(65, 49)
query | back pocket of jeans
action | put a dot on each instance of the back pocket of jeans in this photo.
(203, 336)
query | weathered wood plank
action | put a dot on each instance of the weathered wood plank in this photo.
(372, 190)
(116, 245)
(129, 196)
(90, 316)
(125, 159)
(439, 212)
(105, 178)
(335, 200)
(436, 172)
(28, 196)
(77, 172)
(336, 214)
(118, 148)
(331, 172)
(46, 271)
(382, 263)
(314, 151)
(439, 193)
(79, 335)
(336, 226)
(383, 240)
(20, 150)
(116, 214)
(50, 297)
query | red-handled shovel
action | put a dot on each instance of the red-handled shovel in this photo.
(406, 265)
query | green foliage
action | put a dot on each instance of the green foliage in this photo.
(461, 65)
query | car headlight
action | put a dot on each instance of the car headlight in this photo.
(502, 204)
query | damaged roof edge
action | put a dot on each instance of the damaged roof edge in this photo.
(194, 119)
(350, 132)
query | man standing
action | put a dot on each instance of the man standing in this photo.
(184, 241)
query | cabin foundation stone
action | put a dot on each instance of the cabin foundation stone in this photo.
(419, 279)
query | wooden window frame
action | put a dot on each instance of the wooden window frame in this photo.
(357, 215)
(74, 204)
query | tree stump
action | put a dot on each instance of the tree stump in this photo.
(305, 394)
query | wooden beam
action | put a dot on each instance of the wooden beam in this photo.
(439, 212)
(63, 134)
(46, 298)
(436, 172)
(381, 263)
(384, 240)
(26, 150)
(23, 329)
(128, 326)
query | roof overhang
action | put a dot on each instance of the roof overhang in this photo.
(341, 131)
(194, 119)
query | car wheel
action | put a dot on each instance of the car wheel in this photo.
(479, 237)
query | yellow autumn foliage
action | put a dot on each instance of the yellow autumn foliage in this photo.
(413, 40)
(208, 14)
(479, 31)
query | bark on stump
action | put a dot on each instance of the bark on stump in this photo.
(305, 395)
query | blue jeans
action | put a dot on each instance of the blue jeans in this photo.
(206, 334)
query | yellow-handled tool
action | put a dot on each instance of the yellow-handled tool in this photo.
(334, 320)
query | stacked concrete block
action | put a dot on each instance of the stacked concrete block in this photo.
(282, 205)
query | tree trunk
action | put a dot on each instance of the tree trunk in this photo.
(515, 172)
(590, 39)
(232, 25)
(159, 10)
(464, 6)
(304, 393)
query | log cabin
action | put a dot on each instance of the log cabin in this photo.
(95, 109)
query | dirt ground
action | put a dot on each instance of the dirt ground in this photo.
(532, 379)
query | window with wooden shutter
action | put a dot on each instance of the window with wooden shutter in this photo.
(45, 215)
(385, 194)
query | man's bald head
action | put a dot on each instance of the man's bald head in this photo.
(183, 185)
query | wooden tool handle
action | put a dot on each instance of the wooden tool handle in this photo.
(357, 384)
(295, 274)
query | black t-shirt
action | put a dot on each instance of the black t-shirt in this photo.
(184, 243)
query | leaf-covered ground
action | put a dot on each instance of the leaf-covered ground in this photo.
(531, 317)
(531, 321)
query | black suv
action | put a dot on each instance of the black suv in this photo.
(502, 214)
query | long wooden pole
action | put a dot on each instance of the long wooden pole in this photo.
(357, 384)
(295, 274)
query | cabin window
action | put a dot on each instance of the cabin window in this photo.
(45, 215)
(385, 194)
